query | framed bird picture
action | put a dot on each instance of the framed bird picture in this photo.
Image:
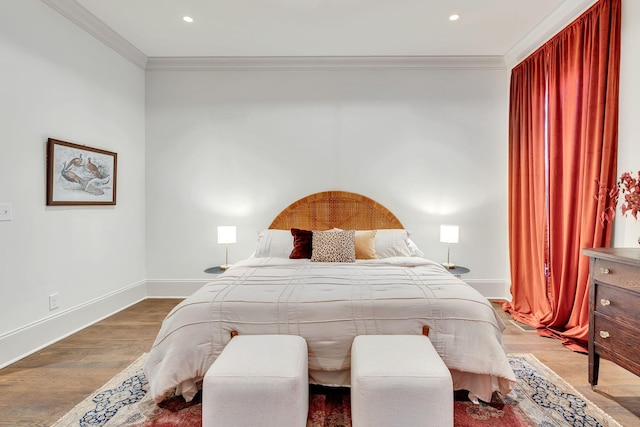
(80, 175)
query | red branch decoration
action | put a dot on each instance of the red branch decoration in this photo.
(629, 188)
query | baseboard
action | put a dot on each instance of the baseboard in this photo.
(30, 338)
(173, 288)
(492, 289)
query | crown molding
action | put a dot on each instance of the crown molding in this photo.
(88, 22)
(554, 23)
(313, 63)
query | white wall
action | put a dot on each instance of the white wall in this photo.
(236, 147)
(58, 81)
(627, 229)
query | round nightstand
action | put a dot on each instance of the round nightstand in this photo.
(458, 270)
(214, 270)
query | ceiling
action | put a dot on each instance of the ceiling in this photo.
(317, 28)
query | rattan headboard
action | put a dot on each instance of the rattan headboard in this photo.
(330, 209)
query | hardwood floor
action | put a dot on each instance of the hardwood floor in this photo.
(41, 388)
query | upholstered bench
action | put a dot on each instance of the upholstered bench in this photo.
(258, 380)
(399, 380)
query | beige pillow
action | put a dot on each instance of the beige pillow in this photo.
(333, 246)
(366, 245)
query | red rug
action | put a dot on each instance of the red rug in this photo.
(540, 398)
(330, 407)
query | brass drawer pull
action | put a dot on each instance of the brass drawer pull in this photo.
(604, 270)
(605, 302)
(604, 334)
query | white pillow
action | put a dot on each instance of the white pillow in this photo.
(414, 249)
(391, 242)
(274, 243)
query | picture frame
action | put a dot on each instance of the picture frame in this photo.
(80, 175)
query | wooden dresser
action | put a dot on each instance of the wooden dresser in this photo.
(614, 309)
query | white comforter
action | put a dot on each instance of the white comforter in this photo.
(329, 304)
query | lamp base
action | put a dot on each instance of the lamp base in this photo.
(225, 267)
(449, 265)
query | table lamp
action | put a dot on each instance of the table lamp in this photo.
(226, 235)
(449, 235)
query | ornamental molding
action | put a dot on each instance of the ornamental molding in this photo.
(566, 13)
(80, 16)
(314, 63)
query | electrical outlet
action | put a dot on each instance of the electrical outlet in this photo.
(54, 302)
(5, 212)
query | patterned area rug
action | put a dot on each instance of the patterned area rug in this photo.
(541, 398)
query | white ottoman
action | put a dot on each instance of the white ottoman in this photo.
(258, 380)
(399, 381)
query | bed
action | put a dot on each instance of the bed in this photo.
(390, 288)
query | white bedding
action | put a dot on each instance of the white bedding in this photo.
(329, 304)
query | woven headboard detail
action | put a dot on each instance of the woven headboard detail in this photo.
(331, 209)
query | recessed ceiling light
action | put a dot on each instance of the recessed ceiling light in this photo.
(187, 19)
(454, 17)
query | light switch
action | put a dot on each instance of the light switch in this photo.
(5, 212)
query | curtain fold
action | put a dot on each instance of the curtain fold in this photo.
(582, 66)
(527, 212)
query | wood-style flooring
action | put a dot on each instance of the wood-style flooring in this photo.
(41, 388)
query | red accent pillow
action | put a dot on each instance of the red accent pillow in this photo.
(301, 243)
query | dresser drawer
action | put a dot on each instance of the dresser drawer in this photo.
(615, 273)
(614, 308)
(618, 303)
(616, 337)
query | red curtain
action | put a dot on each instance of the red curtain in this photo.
(582, 66)
(527, 177)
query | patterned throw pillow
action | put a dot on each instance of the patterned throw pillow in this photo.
(333, 246)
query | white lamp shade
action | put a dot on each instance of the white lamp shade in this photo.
(226, 234)
(449, 233)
